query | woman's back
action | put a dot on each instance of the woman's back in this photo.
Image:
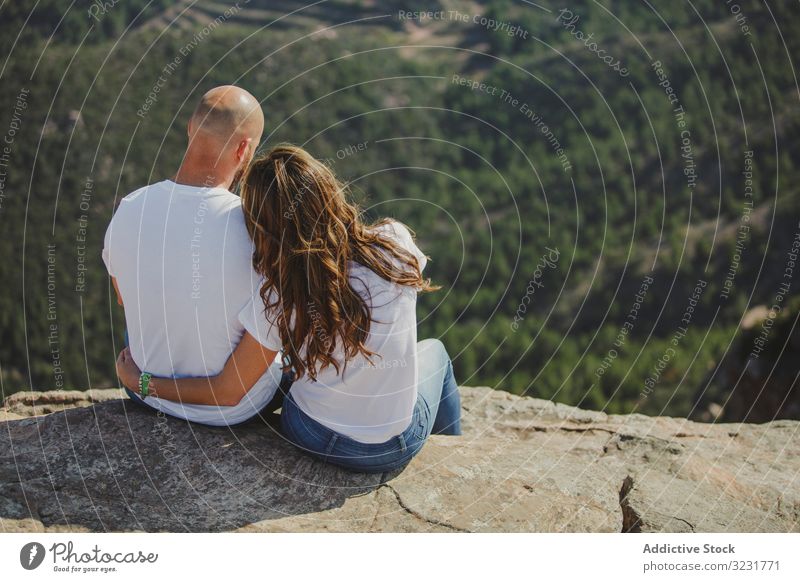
(383, 390)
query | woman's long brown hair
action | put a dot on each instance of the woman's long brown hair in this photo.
(306, 234)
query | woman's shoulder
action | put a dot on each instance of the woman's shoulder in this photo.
(401, 234)
(392, 228)
(396, 231)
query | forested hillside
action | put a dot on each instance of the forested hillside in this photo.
(605, 189)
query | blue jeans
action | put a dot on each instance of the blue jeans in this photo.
(437, 411)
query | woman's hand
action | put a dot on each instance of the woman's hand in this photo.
(248, 362)
(128, 371)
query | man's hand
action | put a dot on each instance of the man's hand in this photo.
(128, 371)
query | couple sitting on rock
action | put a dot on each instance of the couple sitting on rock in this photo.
(283, 298)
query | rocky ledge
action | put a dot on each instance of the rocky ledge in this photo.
(90, 461)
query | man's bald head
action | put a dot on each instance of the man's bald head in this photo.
(228, 115)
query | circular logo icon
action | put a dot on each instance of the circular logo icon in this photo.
(31, 555)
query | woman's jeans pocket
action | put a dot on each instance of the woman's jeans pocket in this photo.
(421, 421)
(338, 449)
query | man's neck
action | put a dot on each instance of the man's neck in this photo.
(201, 178)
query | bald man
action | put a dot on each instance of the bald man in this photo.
(180, 257)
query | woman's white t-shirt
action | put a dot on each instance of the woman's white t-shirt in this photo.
(369, 402)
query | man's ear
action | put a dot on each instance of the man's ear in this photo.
(243, 149)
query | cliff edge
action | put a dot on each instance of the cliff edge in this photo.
(91, 461)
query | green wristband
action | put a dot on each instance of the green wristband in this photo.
(144, 384)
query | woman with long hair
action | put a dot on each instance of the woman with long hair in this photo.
(337, 300)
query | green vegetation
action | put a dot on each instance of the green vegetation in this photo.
(556, 151)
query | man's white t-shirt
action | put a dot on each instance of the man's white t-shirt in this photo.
(182, 259)
(369, 402)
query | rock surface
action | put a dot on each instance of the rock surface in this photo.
(23, 404)
(523, 464)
